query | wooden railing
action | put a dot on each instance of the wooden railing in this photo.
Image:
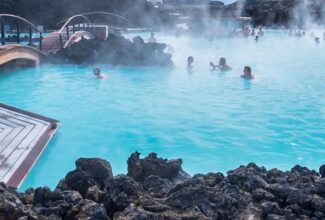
(19, 19)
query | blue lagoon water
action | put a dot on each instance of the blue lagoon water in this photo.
(214, 121)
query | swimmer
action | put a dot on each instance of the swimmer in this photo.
(222, 65)
(152, 38)
(190, 61)
(247, 73)
(256, 38)
(253, 33)
(260, 33)
(98, 75)
(317, 39)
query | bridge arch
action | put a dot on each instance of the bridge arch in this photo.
(32, 28)
(87, 14)
(69, 20)
(77, 36)
(14, 52)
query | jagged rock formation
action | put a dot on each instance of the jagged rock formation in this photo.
(115, 50)
(156, 188)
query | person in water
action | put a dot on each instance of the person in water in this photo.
(152, 38)
(190, 61)
(260, 33)
(247, 73)
(98, 74)
(222, 65)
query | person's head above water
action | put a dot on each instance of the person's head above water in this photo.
(152, 34)
(248, 70)
(247, 73)
(222, 61)
(190, 60)
(96, 71)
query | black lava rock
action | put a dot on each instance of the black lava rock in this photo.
(157, 188)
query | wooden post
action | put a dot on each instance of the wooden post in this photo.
(30, 36)
(18, 32)
(3, 36)
(61, 42)
(40, 41)
(68, 36)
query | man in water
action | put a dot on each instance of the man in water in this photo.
(152, 38)
(190, 61)
(222, 65)
(98, 75)
(247, 73)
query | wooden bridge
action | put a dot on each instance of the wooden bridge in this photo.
(74, 29)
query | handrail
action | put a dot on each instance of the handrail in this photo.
(18, 18)
(70, 19)
(23, 19)
(99, 12)
(78, 33)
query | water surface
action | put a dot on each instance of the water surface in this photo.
(214, 121)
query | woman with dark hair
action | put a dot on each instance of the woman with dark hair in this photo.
(98, 74)
(247, 73)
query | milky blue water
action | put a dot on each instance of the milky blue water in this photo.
(214, 121)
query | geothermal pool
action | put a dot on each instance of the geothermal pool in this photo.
(214, 121)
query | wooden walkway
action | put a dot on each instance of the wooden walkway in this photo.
(23, 137)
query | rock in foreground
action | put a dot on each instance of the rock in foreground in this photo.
(156, 188)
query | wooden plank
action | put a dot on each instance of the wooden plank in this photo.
(4, 133)
(3, 126)
(9, 138)
(21, 116)
(17, 178)
(23, 137)
(22, 151)
(27, 113)
(14, 144)
(9, 123)
(22, 123)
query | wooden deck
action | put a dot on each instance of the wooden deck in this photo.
(23, 137)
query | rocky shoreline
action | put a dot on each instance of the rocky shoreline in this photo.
(156, 188)
(115, 50)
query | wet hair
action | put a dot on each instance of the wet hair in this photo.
(190, 59)
(222, 61)
(96, 70)
(248, 69)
